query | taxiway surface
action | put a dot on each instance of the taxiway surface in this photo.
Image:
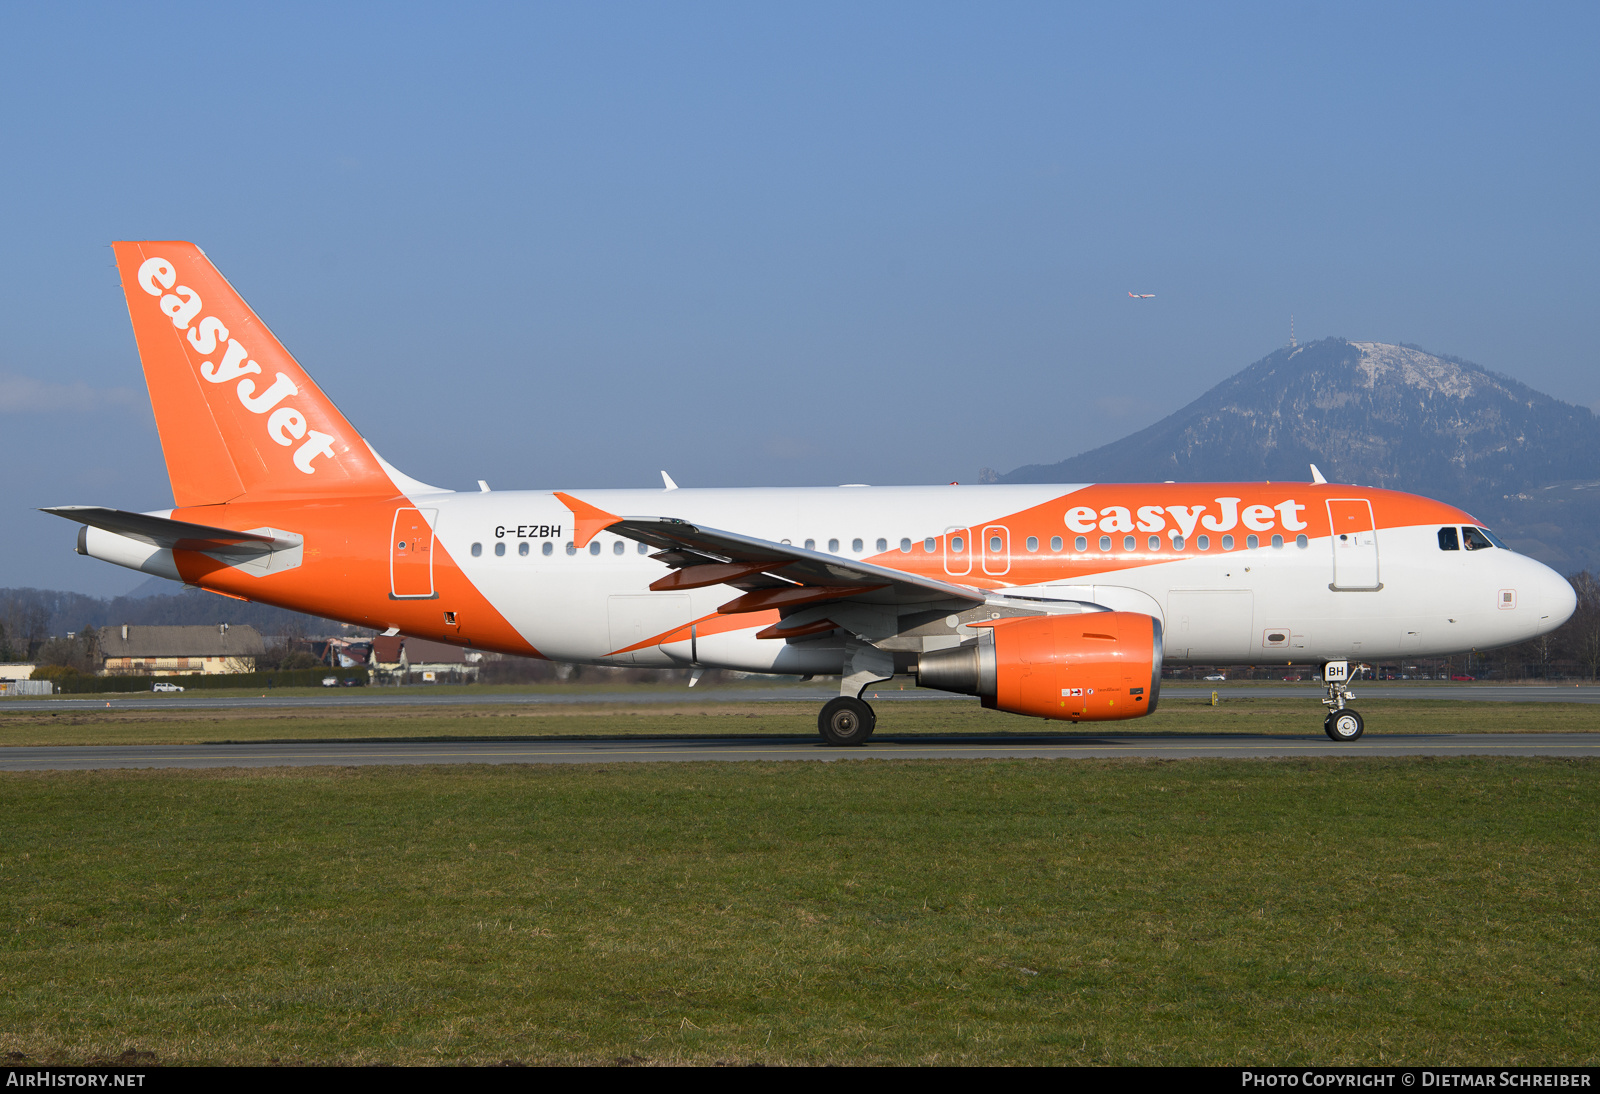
(666, 749)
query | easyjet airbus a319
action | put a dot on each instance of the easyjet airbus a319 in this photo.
(1058, 602)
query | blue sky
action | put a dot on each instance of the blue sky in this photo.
(565, 246)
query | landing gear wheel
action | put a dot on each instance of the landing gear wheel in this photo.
(1344, 725)
(845, 721)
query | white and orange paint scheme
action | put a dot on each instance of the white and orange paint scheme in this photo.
(1054, 601)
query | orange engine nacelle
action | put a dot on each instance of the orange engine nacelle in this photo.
(1094, 667)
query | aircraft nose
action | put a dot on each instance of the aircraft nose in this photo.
(1557, 599)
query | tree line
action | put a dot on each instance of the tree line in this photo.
(30, 617)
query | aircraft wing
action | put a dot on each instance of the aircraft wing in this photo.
(162, 532)
(775, 575)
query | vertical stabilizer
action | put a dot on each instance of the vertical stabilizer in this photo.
(238, 416)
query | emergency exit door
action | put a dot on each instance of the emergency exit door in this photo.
(1355, 544)
(411, 554)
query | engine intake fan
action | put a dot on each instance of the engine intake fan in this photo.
(1098, 667)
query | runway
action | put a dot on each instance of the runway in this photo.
(733, 749)
(423, 696)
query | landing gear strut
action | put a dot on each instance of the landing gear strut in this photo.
(1342, 723)
(846, 721)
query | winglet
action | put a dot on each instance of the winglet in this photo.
(588, 521)
(1316, 476)
(667, 483)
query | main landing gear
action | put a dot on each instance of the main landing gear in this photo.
(846, 721)
(1342, 723)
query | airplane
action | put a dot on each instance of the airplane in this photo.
(1054, 601)
(1143, 295)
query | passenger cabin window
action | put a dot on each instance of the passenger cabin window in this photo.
(1105, 543)
(905, 546)
(1277, 542)
(594, 546)
(1227, 543)
(1032, 544)
(477, 549)
(1476, 540)
(1203, 542)
(500, 550)
(957, 544)
(1448, 540)
(1055, 543)
(855, 545)
(618, 547)
(883, 545)
(1301, 540)
(1177, 542)
(833, 546)
(930, 545)
(1252, 542)
(644, 548)
(572, 548)
(994, 544)
(1153, 543)
(1080, 544)
(549, 548)
(811, 545)
(522, 549)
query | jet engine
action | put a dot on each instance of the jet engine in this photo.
(1096, 667)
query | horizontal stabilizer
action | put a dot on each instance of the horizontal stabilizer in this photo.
(163, 532)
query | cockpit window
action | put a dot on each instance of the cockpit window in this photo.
(1476, 540)
(1448, 540)
(1494, 539)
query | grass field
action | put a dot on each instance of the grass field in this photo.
(1335, 911)
(36, 723)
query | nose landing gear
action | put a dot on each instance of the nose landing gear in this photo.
(1342, 723)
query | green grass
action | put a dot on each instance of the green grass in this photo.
(1210, 912)
(38, 724)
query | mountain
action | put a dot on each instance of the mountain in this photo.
(1381, 415)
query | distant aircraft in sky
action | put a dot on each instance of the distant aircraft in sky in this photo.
(1143, 295)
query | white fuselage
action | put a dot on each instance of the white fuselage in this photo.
(1241, 605)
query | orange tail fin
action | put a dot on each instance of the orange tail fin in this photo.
(237, 414)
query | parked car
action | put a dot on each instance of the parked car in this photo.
(1216, 676)
(1294, 679)
(163, 686)
(330, 681)
(1462, 676)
